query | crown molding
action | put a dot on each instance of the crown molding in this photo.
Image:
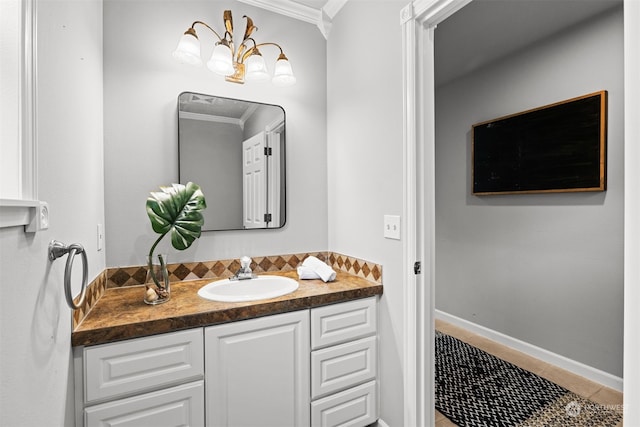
(320, 17)
(332, 7)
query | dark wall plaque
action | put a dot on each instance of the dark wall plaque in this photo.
(556, 148)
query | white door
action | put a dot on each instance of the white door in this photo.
(254, 181)
(257, 372)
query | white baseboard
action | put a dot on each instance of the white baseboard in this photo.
(381, 423)
(578, 368)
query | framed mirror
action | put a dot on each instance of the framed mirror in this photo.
(235, 151)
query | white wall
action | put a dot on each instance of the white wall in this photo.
(36, 386)
(142, 82)
(10, 96)
(364, 105)
(546, 269)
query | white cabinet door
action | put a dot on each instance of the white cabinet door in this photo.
(257, 372)
(180, 406)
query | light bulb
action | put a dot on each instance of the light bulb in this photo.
(221, 61)
(188, 50)
(283, 74)
(256, 69)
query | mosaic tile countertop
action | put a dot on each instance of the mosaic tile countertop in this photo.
(121, 313)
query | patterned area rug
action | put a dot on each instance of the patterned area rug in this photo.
(474, 388)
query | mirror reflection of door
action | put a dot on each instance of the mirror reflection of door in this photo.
(254, 181)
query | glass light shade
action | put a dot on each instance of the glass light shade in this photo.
(188, 50)
(221, 61)
(283, 74)
(256, 69)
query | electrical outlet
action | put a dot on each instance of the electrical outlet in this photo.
(392, 227)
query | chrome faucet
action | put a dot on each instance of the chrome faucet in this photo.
(245, 270)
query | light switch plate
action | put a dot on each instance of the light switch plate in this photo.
(392, 227)
(100, 237)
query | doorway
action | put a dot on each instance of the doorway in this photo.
(419, 21)
(531, 268)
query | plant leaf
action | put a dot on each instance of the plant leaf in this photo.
(177, 209)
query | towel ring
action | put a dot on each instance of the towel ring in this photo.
(58, 249)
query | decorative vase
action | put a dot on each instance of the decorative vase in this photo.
(157, 288)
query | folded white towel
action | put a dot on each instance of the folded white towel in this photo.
(326, 273)
(305, 272)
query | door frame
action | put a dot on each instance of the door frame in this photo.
(418, 20)
(275, 133)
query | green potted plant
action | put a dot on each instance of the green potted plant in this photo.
(175, 210)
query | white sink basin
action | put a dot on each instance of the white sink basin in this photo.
(258, 288)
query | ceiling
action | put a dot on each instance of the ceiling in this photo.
(482, 32)
(487, 30)
(209, 105)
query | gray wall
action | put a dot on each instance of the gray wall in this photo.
(36, 378)
(211, 153)
(142, 82)
(546, 269)
(365, 165)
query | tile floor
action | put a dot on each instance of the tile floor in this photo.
(572, 382)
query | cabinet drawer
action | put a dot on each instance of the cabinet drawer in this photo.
(334, 324)
(142, 364)
(354, 407)
(177, 406)
(343, 366)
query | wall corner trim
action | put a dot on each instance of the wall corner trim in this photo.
(406, 14)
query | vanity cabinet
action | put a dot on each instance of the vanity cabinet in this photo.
(313, 367)
(157, 380)
(257, 372)
(344, 364)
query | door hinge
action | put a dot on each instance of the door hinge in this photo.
(267, 151)
(267, 217)
(417, 267)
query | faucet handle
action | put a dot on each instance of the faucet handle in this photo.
(245, 262)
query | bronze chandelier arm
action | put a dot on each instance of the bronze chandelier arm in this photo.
(245, 55)
(192, 31)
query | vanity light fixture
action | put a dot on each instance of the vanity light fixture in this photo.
(237, 64)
